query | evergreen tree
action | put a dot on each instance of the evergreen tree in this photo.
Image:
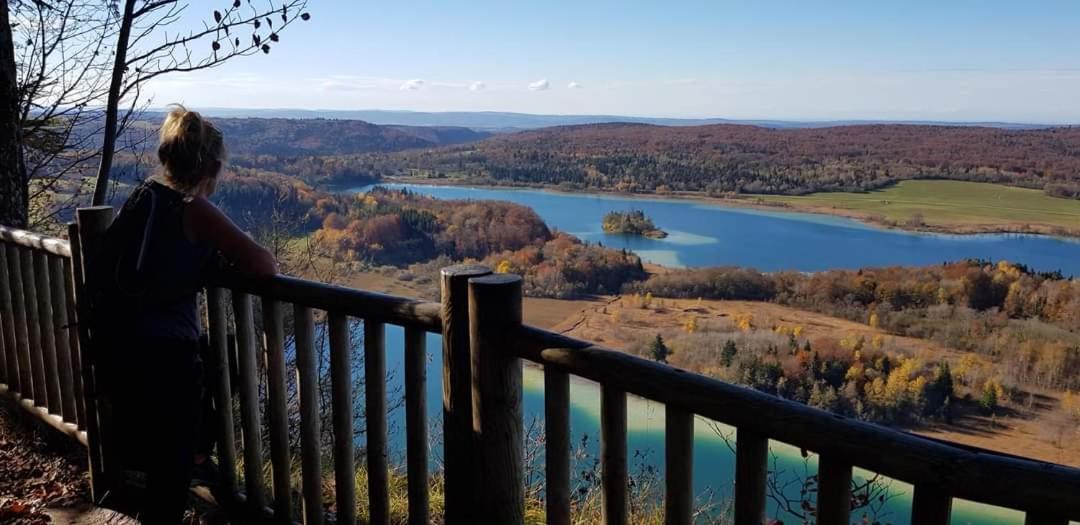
(658, 350)
(727, 354)
(989, 399)
(939, 391)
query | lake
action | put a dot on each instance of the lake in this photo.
(708, 235)
(704, 234)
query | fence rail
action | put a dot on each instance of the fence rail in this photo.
(484, 343)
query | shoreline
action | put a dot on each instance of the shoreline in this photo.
(753, 202)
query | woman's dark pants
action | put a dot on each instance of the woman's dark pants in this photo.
(155, 385)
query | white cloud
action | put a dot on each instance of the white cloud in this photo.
(412, 85)
(477, 86)
(573, 85)
(539, 85)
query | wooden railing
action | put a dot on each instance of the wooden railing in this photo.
(484, 343)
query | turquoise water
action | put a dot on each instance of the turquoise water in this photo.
(708, 235)
(712, 235)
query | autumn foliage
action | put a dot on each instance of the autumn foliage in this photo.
(1022, 326)
(750, 159)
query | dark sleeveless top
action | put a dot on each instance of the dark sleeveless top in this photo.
(147, 274)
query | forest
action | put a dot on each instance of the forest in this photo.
(723, 159)
(399, 228)
(1015, 328)
(850, 375)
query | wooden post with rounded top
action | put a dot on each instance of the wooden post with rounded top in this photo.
(494, 331)
(461, 474)
(91, 224)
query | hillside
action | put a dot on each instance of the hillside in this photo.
(277, 136)
(320, 152)
(749, 159)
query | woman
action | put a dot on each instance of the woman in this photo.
(151, 266)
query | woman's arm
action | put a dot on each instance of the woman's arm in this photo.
(205, 222)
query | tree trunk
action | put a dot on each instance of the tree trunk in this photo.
(14, 194)
(112, 107)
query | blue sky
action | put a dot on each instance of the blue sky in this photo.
(940, 60)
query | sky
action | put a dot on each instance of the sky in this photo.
(951, 60)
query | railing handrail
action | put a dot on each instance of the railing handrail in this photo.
(965, 472)
(373, 306)
(29, 239)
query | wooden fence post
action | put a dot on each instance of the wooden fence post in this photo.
(678, 466)
(931, 505)
(72, 283)
(18, 308)
(274, 348)
(217, 322)
(834, 490)
(557, 445)
(7, 317)
(47, 337)
(341, 411)
(33, 327)
(751, 475)
(494, 331)
(308, 384)
(92, 223)
(416, 425)
(250, 423)
(461, 476)
(613, 474)
(60, 321)
(5, 314)
(375, 410)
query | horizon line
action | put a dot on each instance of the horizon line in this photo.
(799, 120)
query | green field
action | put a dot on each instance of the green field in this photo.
(948, 205)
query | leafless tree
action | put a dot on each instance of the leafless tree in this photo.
(793, 491)
(62, 52)
(145, 49)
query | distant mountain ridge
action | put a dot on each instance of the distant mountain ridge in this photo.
(509, 121)
(723, 158)
(319, 136)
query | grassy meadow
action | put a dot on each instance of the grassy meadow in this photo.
(947, 205)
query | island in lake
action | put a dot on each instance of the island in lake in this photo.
(633, 222)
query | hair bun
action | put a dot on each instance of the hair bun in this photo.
(187, 142)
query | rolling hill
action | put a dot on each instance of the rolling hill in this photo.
(751, 159)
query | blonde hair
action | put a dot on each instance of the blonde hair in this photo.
(189, 146)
